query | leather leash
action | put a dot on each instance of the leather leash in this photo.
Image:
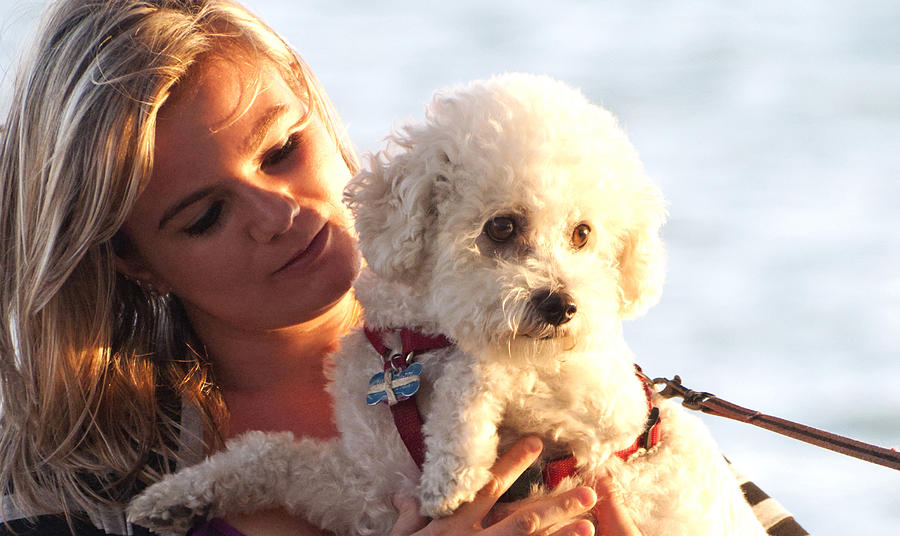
(713, 405)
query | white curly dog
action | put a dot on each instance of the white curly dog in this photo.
(518, 223)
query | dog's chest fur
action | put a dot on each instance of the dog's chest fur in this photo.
(560, 396)
(544, 396)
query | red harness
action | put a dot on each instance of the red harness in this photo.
(409, 421)
(406, 413)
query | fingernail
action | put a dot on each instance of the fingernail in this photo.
(533, 444)
(604, 481)
(586, 496)
(583, 528)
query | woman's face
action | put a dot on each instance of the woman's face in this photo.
(242, 218)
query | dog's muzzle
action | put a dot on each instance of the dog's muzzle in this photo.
(554, 307)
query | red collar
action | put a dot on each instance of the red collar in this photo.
(409, 421)
(412, 343)
(556, 470)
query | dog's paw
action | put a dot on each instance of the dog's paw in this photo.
(439, 506)
(251, 474)
(441, 497)
(173, 506)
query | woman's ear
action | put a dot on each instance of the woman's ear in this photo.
(130, 264)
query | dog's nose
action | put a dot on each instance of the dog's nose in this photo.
(555, 307)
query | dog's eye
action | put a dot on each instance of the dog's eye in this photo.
(500, 229)
(580, 235)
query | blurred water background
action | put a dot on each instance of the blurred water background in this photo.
(774, 130)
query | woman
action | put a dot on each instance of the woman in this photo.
(176, 266)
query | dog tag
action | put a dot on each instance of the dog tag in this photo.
(392, 388)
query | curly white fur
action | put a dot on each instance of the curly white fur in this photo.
(533, 152)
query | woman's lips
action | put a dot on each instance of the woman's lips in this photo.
(310, 253)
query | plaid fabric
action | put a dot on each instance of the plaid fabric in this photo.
(771, 514)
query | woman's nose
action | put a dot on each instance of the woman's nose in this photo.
(273, 213)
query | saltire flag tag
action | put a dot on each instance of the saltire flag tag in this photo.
(386, 386)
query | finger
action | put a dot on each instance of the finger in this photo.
(504, 472)
(501, 511)
(547, 512)
(613, 518)
(408, 518)
(582, 527)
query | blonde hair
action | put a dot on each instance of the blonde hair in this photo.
(93, 369)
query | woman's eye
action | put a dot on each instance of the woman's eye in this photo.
(500, 229)
(206, 221)
(276, 156)
(580, 235)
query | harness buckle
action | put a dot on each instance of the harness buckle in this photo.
(396, 360)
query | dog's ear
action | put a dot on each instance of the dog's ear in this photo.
(393, 206)
(641, 258)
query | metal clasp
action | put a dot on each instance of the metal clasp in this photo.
(691, 399)
(395, 360)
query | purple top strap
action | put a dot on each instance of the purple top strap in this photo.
(215, 527)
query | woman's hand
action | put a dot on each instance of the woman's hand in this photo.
(554, 515)
(612, 518)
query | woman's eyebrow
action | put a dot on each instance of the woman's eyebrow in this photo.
(250, 144)
(185, 202)
(261, 128)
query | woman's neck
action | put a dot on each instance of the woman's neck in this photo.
(275, 380)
